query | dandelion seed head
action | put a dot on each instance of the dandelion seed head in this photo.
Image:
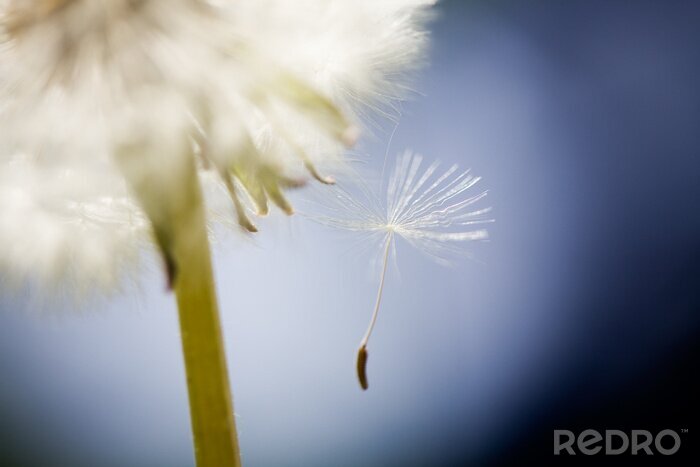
(103, 102)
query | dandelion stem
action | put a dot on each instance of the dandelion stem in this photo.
(362, 352)
(175, 206)
(211, 407)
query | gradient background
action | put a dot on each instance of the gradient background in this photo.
(583, 117)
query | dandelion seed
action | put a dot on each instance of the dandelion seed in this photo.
(431, 210)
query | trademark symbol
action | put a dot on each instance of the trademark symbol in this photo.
(684, 430)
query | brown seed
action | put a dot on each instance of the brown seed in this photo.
(362, 367)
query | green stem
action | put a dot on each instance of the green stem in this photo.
(211, 407)
(174, 204)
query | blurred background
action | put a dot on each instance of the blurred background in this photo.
(583, 117)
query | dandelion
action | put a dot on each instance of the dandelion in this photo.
(433, 211)
(114, 115)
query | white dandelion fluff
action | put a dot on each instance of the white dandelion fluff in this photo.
(104, 103)
(433, 211)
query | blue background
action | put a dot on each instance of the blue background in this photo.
(583, 117)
